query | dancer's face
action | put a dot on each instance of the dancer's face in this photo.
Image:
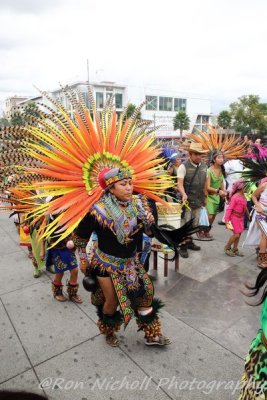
(219, 160)
(123, 189)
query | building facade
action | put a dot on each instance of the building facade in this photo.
(160, 108)
(12, 103)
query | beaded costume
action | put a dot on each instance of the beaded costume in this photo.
(73, 159)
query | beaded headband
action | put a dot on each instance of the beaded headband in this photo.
(108, 177)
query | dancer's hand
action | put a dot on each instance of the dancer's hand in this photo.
(184, 197)
(259, 208)
(150, 218)
(229, 226)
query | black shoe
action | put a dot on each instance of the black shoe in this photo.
(183, 252)
(221, 223)
(193, 246)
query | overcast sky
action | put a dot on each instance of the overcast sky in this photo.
(211, 48)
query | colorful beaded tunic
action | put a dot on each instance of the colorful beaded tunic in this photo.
(115, 255)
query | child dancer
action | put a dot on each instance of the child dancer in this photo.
(234, 217)
(60, 257)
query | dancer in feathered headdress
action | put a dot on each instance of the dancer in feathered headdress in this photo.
(220, 147)
(219, 143)
(90, 166)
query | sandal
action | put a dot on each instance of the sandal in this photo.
(60, 297)
(76, 299)
(36, 273)
(229, 252)
(238, 253)
(158, 341)
(262, 260)
(112, 341)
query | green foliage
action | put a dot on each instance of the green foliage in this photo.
(181, 121)
(4, 122)
(249, 115)
(24, 117)
(17, 119)
(31, 110)
(130, 110)
(225, 119)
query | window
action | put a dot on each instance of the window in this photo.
(196, 129)
(205, 119)
(165, 103)
(99, 100)
(202, 119)
(108, 95)
(179, 104)
(85, 99)
(118, 100)
(198, 121)
(152, 103)
(202, 122)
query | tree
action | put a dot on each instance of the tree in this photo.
(225, 119)
(130, 110)
(4, 122)
(31, 110)
(181, 121)
(249, 115)
(17, 119)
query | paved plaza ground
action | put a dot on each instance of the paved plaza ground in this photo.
(58, 346)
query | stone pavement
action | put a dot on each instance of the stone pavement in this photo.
(58, 344)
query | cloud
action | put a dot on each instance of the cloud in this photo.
(29, 6)
(204, 49)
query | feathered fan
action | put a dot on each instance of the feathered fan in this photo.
(173, 237)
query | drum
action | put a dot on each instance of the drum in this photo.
(169, 215)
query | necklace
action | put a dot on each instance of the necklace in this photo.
(122, 203)
(124, 218)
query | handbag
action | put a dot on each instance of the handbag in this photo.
(203, 217)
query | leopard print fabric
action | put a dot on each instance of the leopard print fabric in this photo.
(254, 379)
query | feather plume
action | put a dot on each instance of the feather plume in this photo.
(63, 156)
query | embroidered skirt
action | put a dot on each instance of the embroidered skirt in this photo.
(131, 282)
(60, 260)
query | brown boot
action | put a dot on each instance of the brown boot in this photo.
(72, 291)
(262, 260)
(57, 292)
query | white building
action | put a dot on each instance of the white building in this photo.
(161, 105)
(12, 103)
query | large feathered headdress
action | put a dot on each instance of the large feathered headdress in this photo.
(65, 157)
(255, 164)
(219, 143)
